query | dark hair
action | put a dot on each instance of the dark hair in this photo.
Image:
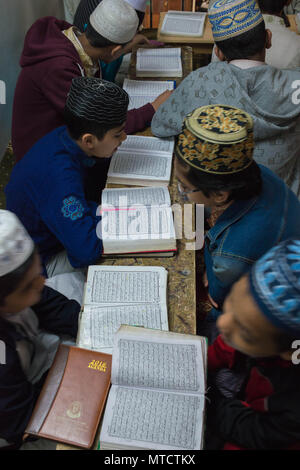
(10, 282)
(141, 16)
(77, 126)
(272, 6)
(244, 45)
(241, 186)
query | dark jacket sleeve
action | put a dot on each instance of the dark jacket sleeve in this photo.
(139, 118)
(56, 313)
(236, 422)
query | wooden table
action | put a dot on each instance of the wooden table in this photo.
(205, 43)
(181, 296)
(200, 45)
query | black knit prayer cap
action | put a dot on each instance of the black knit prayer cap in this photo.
(98, 100)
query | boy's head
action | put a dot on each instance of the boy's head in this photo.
(262, 312)
(21, 281)
(95, 115)
(112, 24)
(214, 163)
(239, 30)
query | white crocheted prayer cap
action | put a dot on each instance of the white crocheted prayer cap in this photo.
(15, 244)
(139, 5)
(115, 20)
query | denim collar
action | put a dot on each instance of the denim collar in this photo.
(233, 213)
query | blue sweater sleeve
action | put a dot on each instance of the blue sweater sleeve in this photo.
(69, 216)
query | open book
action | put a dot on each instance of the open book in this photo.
(142, 92)
(157, 396)
(117, 295)
(137, 222)
(160, 62)
(142, 161)
(183, 23)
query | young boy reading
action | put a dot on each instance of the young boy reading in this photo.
(260, 330)
(243, 79)
(54, 53)
(48, 188)
(31, 318)
(250, 208)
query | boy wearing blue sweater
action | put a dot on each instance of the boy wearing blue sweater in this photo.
(47, 189)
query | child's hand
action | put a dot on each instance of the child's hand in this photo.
(161, 99)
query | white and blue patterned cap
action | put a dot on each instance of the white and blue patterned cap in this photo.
(231, 18)
(275, 285)
(16, 246)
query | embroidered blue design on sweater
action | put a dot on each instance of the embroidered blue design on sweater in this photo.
(72, 208)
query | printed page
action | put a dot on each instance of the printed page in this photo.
(142, 92)
(113, 285)
(137, 223)
(148, 145)
(148, 419)
(159, 60)
(98, 325)
(146, 87)
(126, 197)
(140, 166)
(158, 360)
(179, 23)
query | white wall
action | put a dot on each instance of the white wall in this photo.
(15, 19)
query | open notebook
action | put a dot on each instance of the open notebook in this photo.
(160, 62)
(157, 397)
(116, 295)
(183, 23)
(142, 161)
(142, 92)
(137, 222)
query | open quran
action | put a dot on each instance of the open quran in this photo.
(121, 295)
(142, 161)
(142, 92)
(157, 397)
(183, 23)
(159, 62)
(137, 222)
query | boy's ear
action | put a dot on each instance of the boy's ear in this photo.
(220, 197)
(219, 54)
(268, 39)
(88, 141)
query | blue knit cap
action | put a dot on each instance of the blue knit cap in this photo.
(231, 18)
(275, 285)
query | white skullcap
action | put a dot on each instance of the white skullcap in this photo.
(115, 20)
(16, 246)
(139, 5)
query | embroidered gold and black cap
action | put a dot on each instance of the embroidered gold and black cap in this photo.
(217, 139)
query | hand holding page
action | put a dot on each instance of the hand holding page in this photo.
(142, 92)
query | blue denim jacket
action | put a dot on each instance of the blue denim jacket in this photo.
(247, 230)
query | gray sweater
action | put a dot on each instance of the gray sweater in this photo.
(271, 96)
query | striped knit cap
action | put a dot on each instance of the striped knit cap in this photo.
(98, 100)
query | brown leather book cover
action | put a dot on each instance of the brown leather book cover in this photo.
(72, 399)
